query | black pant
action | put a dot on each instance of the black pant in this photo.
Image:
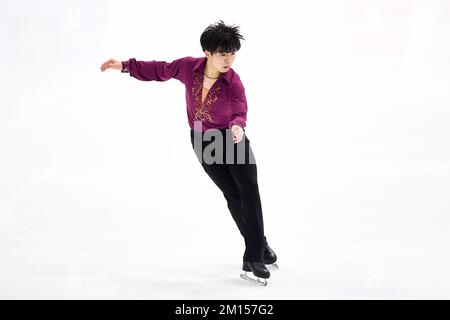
(237, 179)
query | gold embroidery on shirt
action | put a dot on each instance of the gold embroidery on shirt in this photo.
(202, 110)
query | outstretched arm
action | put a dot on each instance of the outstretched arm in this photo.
(150, 70)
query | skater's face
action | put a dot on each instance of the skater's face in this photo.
(222, 61)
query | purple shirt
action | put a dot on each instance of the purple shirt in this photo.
(225, 104)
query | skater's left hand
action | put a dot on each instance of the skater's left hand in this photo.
(238, 133)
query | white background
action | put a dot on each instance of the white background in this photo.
(101, 195)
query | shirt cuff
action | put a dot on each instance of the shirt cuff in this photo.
(125, 66)
(231, 124)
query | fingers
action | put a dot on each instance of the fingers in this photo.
(234, 134)
(237, 135)
(104, 66)
(107, 64)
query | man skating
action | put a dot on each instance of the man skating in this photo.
(217, 108)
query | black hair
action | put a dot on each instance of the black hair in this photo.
(219, 37)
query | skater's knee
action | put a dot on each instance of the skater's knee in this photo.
(232, 195)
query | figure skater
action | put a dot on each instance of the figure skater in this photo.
(216, 108)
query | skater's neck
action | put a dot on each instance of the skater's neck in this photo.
(210, 71)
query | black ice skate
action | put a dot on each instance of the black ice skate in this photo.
(269, 259)
(259, 270)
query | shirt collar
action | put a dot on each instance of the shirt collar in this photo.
(200, 64)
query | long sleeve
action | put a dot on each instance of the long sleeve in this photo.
(238, 105)
(156, 70)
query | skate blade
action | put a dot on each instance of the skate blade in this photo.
(272, 266)
(255, 280)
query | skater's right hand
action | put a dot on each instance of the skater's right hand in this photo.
(111, 63)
